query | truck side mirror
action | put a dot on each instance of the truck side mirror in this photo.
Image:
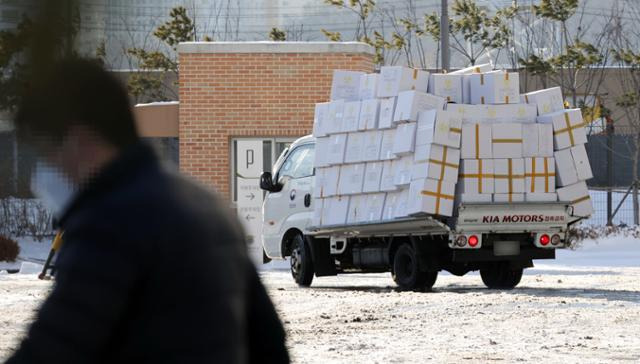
(266, 182)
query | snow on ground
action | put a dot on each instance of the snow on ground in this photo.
(33, 254)
(582, 308)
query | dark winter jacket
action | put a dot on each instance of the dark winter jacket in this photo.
(153, 269)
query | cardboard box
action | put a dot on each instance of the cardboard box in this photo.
(335, 210)
(320, 119)
(477, 141)
(386, 147)
(321, 152)
(390, 202)
(334, 119)
(357, 209)
(508, 197)
(540, 175)
(468, 114)
(369, 86)
(387, 182)
(395, 79)
(405, 139)
(466, 79)
(507, 113)
(369, 112)
(346, 85)
(318, 188)
(541, 197)
(425, 127)
(375, 205)
(508, 175)
(578, 195)
(351, 179)
(495, 88)
(402, 203)
(329, 183)
(372, 177)
(506, 140)
(447, 85)
(336, 149)
(448, 129)
(410, 103)
(441, 163)
(354, 152)
(387, 110)
(568, 128)
(476, 176)
(581, 161)
(372, 145)
(474, 197)
(316, 220)
(572, 165)
(537, 140)
(351, 116)
(429, 196)
(546, 101)
(403, 169)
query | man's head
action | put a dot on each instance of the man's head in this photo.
(77, 118)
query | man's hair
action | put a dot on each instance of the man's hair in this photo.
(76, 92)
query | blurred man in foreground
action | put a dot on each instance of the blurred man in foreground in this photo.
(153, 268)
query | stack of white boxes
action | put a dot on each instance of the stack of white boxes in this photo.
(386, 149)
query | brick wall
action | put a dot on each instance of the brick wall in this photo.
(250, 90)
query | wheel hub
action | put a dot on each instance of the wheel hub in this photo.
(296, 261)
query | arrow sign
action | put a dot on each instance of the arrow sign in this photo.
(249, 217)
(250, 196)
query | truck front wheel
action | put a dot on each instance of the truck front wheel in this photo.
(301, 262)
(501, 276)
(407, 273)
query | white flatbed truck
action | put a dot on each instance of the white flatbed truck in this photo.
(498, 239)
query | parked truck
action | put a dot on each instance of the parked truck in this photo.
(498, 239)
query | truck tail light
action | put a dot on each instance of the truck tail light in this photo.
(461, 240)
(473, 241)
(555, 239)
(544, 239)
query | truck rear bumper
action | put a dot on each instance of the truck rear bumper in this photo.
(487, 255)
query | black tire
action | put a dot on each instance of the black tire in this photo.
(406, 270)
(301, 262)
(501, 276)
(265, 258)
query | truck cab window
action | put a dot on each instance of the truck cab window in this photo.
(299, 163)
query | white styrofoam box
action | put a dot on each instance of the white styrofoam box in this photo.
(448, 129)
(346, 85)
(425, 127)
(405, 140)
(546, 101)
(389, 210)
(387, 110)
(568, 128)
(372, 177)
(441, 162)
(506, 140)
(395, 79)
(508, 197)
(402, 203)
(388, 176)
(508, 113)
(320, 119)
(334, 119)
(540, 175)
(375, 205)
(403, 169)
(566, 172)
(335, 210)
(317, 212)
(351, 116)
(495, 88)
(321, 152)
(541, 197)
(369, 114)
(351, 179)
(466, 80)
(508, 175)
(537, 140)
(369, 86)
(581, 161)
(410, 103)
(372, 145)
(318, 190)
(468, 114)
(329, 186)
(476, 141)
(475, 197)
(578, 195)
(431, 196)
(446, 85)
(354, 151)
(476, 176)
(386, 147)
(336, 148)
(357, 209)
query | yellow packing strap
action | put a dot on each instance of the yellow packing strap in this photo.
(480, 175)
(438, 195)
(569, 128)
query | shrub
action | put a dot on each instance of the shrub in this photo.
(9, 249)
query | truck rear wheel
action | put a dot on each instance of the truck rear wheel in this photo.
(501, 276)
(407, 273)
(301, 262)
